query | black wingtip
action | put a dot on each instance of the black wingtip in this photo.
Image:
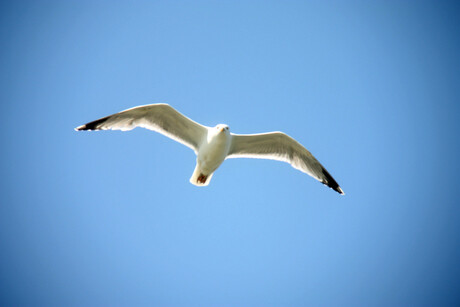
(94, 125)
(339, 189)
(330, 182)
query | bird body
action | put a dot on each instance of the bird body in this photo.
(212, 152)
(213, 145)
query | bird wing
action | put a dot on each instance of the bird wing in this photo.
(281, 147)
(161, 118)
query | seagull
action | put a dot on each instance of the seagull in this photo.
(212, 145)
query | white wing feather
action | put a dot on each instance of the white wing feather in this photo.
(161, 118)
(281, 147)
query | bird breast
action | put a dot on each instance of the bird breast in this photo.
(213, 151)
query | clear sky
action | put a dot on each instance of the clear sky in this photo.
(371, 88)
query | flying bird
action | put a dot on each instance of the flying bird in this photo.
(212, 145)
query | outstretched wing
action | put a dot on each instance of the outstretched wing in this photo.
(160, 117)
(281, 147)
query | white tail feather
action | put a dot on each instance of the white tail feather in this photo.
(194, 179)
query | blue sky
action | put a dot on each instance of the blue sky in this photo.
(110, 218)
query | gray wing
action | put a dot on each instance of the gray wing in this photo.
(281, 147)
(160, 117)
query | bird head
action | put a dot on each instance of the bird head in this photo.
(223, 128)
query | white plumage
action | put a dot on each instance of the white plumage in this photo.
(213, 145)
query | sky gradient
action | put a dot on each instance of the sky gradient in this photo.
(371, 88)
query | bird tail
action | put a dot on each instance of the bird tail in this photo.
(199, 179)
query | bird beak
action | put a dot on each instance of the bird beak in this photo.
(222, 130)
